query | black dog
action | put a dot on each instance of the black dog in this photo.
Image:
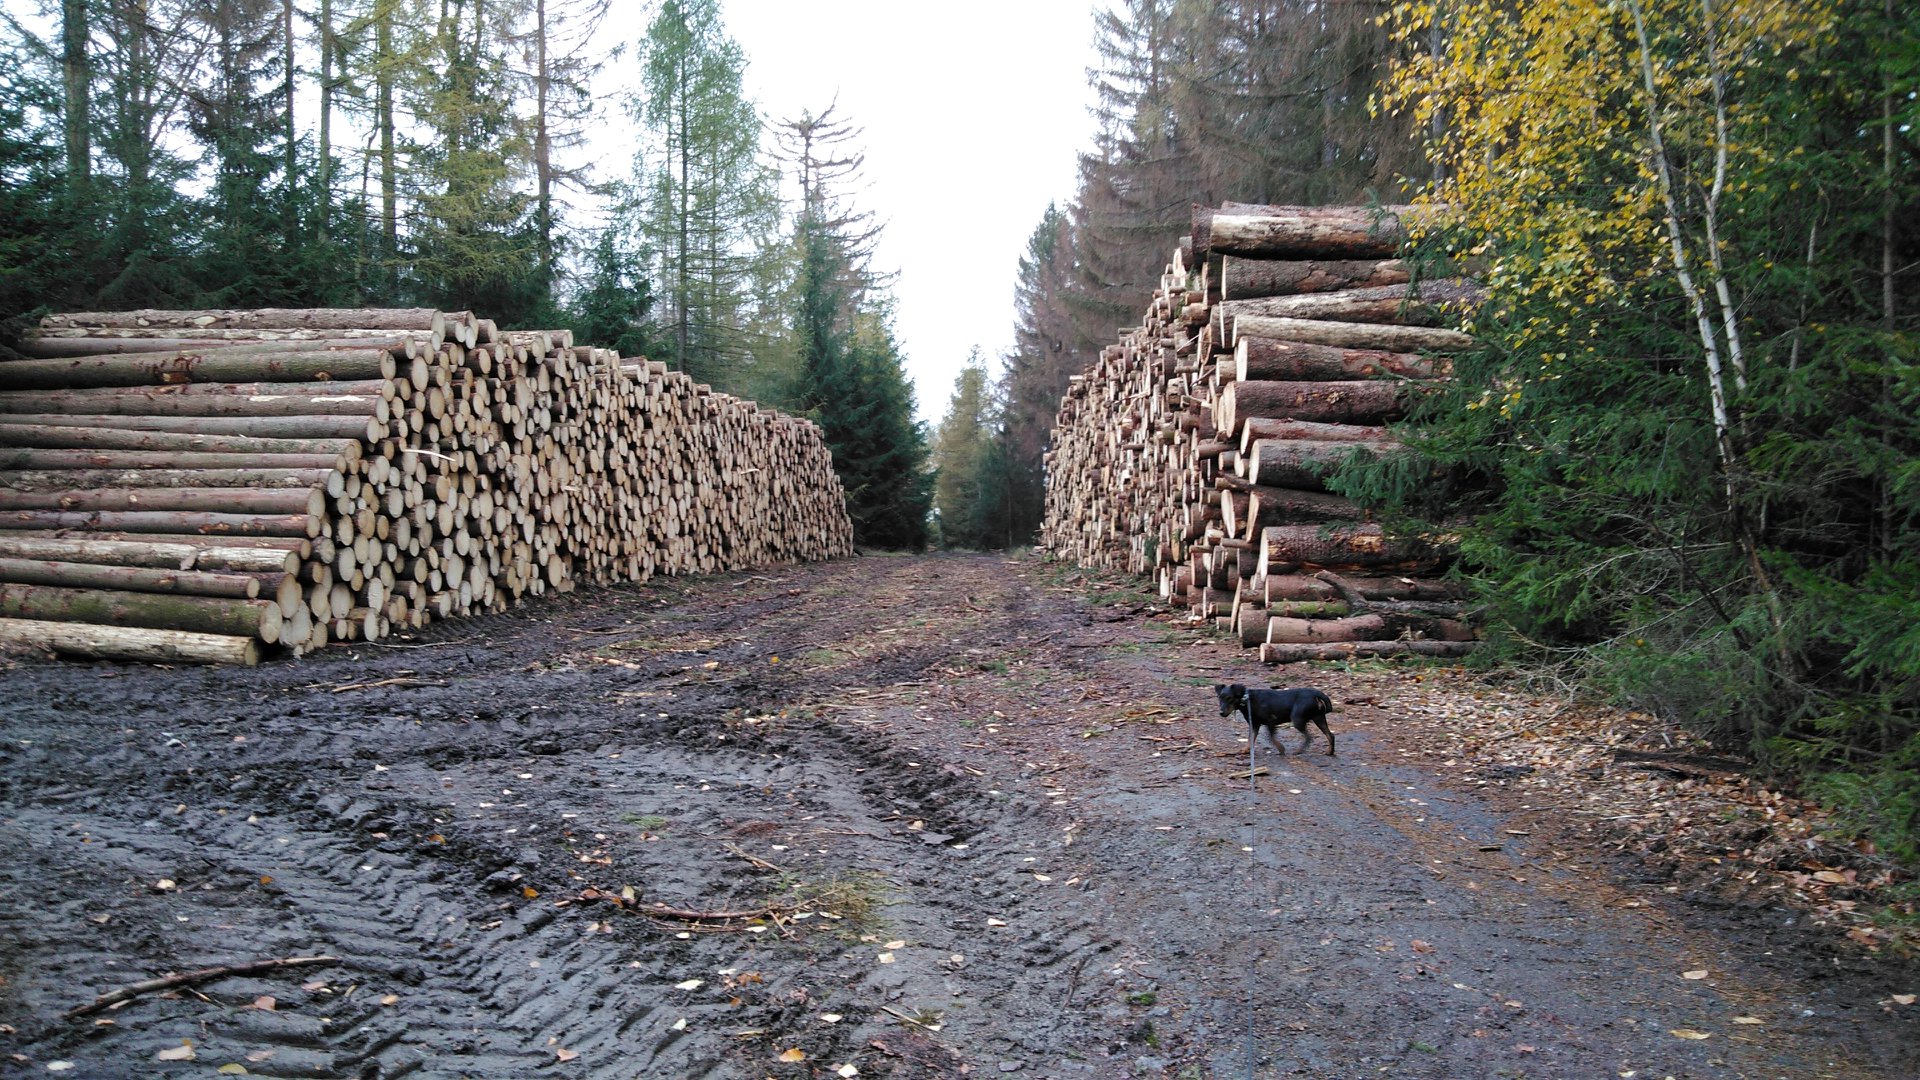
(1271, 708)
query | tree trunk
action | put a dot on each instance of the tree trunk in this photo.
(165, 521)
(209, 546)
(1372, 626)
(1323, 402)
(1263, 427)
(236, 500)
(1287, 506)
(76, 69)
(1349, 650)
(1285, 588)
(417, 319)
(1259, 358)
(1297, 232)
(1401, 305)
(128, 643)
(82, 575)
(78, 479)
(297, 427)
(213, 365)
(1247, 279)
(1303, 464)
(48, 437)
(169, 402)
(165, 459)
(1337, 546)
(104, 607)
(1349, 335)
(158, 555)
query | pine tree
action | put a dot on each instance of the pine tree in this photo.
(1046, 352)
(708, 201)
(473, 245)
(970, 492)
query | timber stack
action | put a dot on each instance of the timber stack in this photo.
(204, 485)
(1282, 341)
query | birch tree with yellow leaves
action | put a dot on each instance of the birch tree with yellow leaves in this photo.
(1688, 446)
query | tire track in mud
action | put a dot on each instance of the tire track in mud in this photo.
(362, 827)
(1040, 811)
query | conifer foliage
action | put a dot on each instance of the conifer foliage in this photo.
(1689, 444)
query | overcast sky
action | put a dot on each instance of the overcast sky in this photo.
(972, 112)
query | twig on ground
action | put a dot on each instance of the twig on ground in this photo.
(189, 978)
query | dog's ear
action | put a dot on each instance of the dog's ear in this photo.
(1221, 689)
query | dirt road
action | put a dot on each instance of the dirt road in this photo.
(887, 817)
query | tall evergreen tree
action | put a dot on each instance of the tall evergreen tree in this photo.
(1046, 352)
(473, 244)
(708, 200)
(970, 492)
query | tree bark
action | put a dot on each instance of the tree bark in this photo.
(165, 459)
(1337, 546)
(1247, 279)
(418, 319)
(1255, 428)
(362, 427)
(1320, 232)
(1303, 464)
(1371, 233)
(85, 575)
(130, 643)
(1289, 654)
(1349, 335)
(165, 521)
(1286, 506)
(78, 479)
(1401, 305)
(157, 555)
(212, 365)
(1283, 588)
(237, 500)
(1259, 358)
(104, 607)
(1323, 402)
(360, 399)
(50, 437)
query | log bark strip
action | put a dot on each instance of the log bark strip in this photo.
(1401, 305)
(1246, 279)
(359, 425)
(1350, 335)
(157, 554)
(104, 607)
(131, 643)
(212, 365)
(308, 501)
(29, 460)
(1256, 358)
(61, 437)
(82, 575)
(165, 521)
(1349, 650)
(1369, 402)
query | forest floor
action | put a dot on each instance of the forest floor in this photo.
(901, 817)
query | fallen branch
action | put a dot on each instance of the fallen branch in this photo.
(734, 849)
(189, 978)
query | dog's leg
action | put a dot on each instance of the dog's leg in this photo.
(1321, 723)
(1300, 725)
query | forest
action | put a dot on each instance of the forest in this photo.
(398, 153)
(1683, 466)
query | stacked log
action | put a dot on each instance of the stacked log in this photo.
(205, 486)
(1281, 342)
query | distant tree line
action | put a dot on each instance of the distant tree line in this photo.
(251, 153)
(1197, 102)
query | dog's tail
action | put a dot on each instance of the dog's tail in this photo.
(1326, 703)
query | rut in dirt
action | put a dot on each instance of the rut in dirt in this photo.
(986, 823)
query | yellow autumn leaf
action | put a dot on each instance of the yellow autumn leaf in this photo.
(795, 1054)
(1689, 1033)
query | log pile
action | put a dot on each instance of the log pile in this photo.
(200, 486)
(1282, 340)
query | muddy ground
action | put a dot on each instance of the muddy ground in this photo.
(886, 817)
